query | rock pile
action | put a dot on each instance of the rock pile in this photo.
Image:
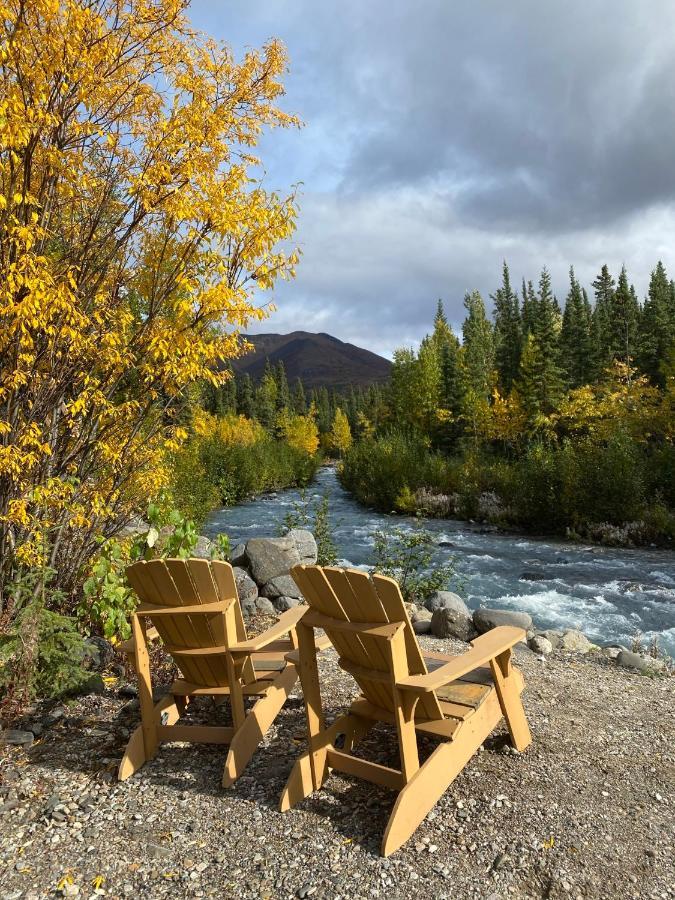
(262, 567)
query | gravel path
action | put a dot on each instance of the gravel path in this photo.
(587, 811)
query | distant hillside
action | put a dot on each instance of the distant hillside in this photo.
(318, 360)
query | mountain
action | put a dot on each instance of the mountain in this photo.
(318, 360)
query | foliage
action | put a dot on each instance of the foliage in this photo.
(135, 233)
(340, 435)
(300, 431)
(41, 651)
(107, 600)
(407, 555)
(313, 514)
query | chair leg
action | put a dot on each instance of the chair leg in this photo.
(434, 777)
(300, 782)
(510, 701)
(135, 753)
(257, 724)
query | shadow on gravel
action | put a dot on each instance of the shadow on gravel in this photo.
(92, 743)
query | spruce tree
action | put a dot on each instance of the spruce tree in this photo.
(266, 397)
(529, 310)
(246, 397)
(479, 348)
(624, 320)
(283, 397)
(657, 331)
(298, 398)
(575, 336)
(508, 332)
(601, 325)
(546, 333)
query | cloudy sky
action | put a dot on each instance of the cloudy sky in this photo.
(442, 137)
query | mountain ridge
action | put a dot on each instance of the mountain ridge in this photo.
(317, 359)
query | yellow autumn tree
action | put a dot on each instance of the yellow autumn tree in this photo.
(340, 434)
(134, 235)
(300, 432)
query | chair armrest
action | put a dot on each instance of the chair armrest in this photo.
(483, 649)
(321, 643)
(287, 622)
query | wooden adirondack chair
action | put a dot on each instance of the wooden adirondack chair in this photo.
(459, 699)
(195, 608)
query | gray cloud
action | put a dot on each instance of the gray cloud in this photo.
(442, 137)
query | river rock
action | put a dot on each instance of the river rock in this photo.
(446, 599)
(629, 660)
(555, 637)
(422, 626)
(305, 544)
(575, 641)
(246, 586)
(16, 738)
(281, 586)
(539, 644)
(486, 619)
(611, 651)
(203, 549)
(282, 604)
(238, 555)
(269, 557)
(411, 609)
(421, 615)
(532, 576)
(453, 621)
(264, 606)
(98, 653)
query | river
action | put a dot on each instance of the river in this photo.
(609, 594)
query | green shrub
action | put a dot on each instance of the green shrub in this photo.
(408, 556)
(384, 472)
(305, 513)
(42, 653)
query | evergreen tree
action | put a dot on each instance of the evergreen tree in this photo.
(529, 310)
(547, 325)
(624, 320)
(575, 336)
(283, 398)
(442, 332)
(246, 397)
(266, 397)
(478, 354)
(508, 332)
(298, 398)
(601, 326)
(657, 332)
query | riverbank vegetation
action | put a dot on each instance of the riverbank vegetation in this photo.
(550, 420)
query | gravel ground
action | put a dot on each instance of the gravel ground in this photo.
(587, 811)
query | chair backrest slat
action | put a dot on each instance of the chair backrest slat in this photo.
(354, 596)
(179, 582)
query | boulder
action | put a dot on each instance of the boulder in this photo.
(447, 600)
(269, 557)
(613, 650)
(422, 626)
(575, 641)
(203, 549)
(555, 637)
(539, 644)
(452, 622)
(246, 586)
(264, 606)
(532, 576)
(421, 615)
(647, 664)
(486, 619)
(412, 609)
(238, 555)
(305, 544)
(282, 604)
(281, 586)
